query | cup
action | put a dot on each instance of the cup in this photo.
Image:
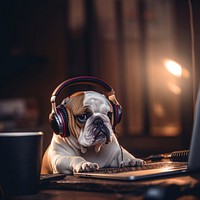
(20, 162)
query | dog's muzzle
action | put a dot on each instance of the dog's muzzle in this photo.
(100, 130)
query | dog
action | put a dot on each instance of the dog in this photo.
(92, 143)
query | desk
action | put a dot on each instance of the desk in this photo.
(71, 188)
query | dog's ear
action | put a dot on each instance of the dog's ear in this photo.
(73, 127)
(65, 101)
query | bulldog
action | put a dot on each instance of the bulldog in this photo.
(92, 143)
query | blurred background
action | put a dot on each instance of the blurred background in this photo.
(143, 48)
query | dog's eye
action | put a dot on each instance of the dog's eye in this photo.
(109, 115)
(82, 118)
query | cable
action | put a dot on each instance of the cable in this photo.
(122, 157)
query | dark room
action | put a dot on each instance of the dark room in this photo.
(83, 78)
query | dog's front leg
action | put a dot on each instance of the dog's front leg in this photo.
(70, 164)
(80, 164)
(126, 159)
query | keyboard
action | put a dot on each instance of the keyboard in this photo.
(155, 165)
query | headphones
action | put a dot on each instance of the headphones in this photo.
(58, 117)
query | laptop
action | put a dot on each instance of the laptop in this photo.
(157, 170)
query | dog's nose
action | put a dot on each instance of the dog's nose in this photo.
(98, 122)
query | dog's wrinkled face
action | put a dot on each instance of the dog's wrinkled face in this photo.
(90, 116)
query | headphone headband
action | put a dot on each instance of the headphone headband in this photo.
(89, 80)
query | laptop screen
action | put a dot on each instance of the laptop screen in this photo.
(194, 158)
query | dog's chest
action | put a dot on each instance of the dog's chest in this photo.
(100, 157)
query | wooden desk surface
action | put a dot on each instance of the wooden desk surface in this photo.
(88, 189)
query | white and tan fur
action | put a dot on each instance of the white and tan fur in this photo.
(84, 150)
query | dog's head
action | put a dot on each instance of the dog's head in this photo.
(90, 118)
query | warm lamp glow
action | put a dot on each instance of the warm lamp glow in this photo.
(174, 88)
(173, 67)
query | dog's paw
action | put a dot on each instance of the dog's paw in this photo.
(132, 162)
(86, 167)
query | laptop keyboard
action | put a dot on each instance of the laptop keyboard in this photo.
(144, 167)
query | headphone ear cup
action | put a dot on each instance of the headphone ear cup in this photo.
(117, 111)
(59, 121)
(54, 123)
(64, 116)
